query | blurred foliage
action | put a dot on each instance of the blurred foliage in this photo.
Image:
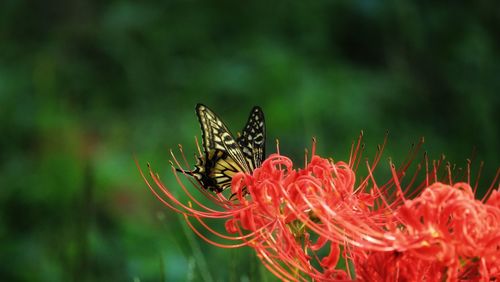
(86, 85)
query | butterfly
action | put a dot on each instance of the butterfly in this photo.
(223, 155)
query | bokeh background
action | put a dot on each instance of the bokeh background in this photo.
(87, 85)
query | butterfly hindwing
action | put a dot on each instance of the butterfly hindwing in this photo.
(215, 171)
(223, 155)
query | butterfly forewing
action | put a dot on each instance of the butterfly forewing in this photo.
(253, 137)
(216, 136)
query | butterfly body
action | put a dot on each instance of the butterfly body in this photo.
(223, 155)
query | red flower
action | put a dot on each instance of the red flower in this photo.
(278, 211)
(443, 234)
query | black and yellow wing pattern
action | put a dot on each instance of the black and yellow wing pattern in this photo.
(223, 155)
(253, 138)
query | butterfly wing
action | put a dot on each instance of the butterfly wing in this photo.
(215, 171)
(253, 138)
(223, 156)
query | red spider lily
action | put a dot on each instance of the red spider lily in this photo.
(267, 219)
(301, 221)
(443, 234)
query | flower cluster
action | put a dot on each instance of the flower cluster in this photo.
(444, 234)
(302, 222)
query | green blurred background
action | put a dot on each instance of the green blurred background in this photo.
(86, 85)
